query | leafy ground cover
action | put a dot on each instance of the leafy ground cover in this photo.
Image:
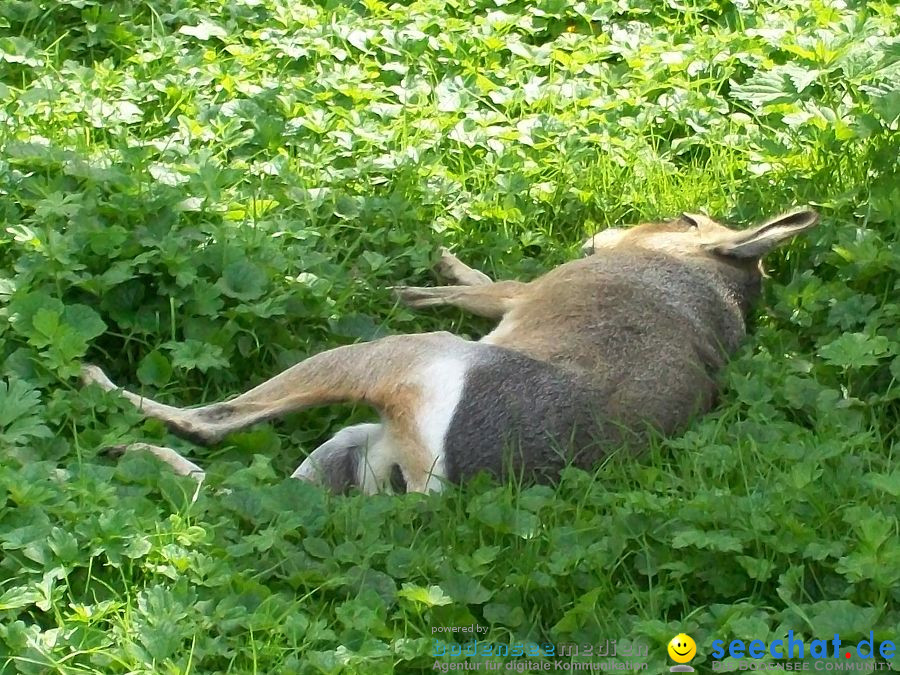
(198, 194)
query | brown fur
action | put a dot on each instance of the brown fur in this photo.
(633, 335)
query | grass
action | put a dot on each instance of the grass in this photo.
(196, 195)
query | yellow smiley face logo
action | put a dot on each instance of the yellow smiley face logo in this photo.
(682, 648)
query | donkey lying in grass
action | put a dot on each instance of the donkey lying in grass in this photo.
(592, 356)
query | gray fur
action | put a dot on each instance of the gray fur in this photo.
(523, 415)
(335, 463)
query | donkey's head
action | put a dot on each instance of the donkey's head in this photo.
(699, 240)
(695, 234)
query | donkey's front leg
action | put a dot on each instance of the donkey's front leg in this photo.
(491, 300)
(454, 271)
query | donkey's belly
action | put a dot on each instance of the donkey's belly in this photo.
(519, 415)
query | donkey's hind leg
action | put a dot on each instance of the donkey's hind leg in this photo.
(356, 456)
(404, 377)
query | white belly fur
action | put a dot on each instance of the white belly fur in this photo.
(442, 384)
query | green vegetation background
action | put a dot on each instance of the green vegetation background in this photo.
(198, 194)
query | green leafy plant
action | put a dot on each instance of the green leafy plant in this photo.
(197, 195)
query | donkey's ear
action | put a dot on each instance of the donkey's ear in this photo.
(759, 240)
